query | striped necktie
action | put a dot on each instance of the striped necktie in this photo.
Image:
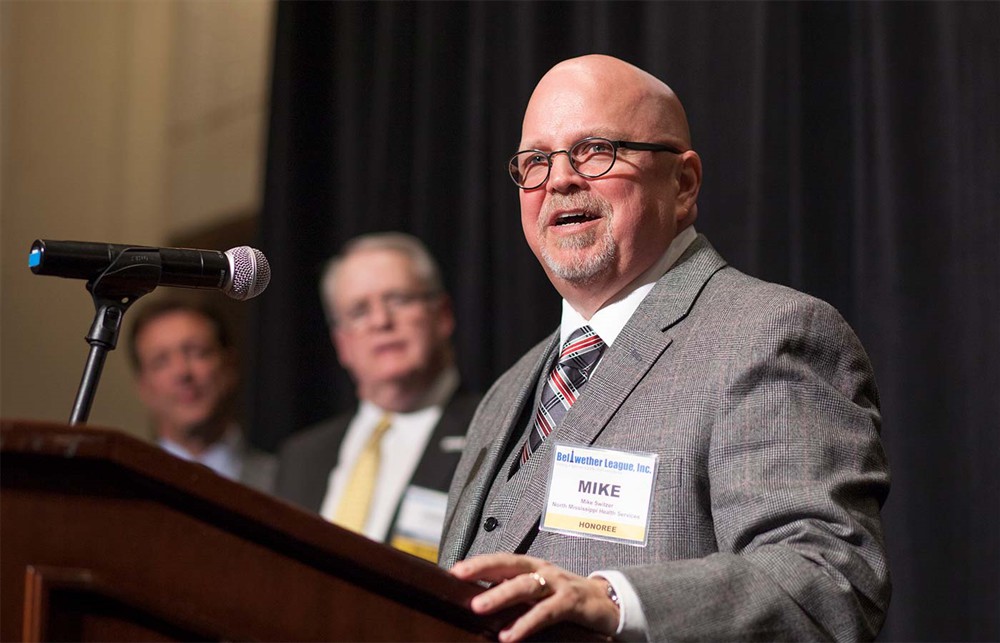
(579, 355)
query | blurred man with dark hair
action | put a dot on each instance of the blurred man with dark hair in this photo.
(186, 375)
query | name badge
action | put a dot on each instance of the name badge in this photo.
(600, 493)
(419, 523)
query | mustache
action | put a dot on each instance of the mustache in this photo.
(583, 201)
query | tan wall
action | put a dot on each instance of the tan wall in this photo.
(126, 122)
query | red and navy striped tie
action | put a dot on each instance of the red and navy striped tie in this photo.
(577, 359)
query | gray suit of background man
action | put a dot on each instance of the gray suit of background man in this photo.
(391, 323)
(758, 403)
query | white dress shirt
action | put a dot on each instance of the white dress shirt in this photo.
(224, 457)
(402, 447)
(608, 323)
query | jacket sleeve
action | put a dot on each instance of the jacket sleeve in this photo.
(797, 478)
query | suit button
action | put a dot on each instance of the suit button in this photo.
(491, 523)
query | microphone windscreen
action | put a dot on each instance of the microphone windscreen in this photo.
(249, 273)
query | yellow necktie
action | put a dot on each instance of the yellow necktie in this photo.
(352, 512)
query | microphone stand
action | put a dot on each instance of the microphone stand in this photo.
(134, 272)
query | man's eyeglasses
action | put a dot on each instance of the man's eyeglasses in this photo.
(394, 303)
(591, 157)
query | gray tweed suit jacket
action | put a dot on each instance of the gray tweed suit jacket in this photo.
(762, 406)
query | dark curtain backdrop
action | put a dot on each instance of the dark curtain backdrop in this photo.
(851, 151)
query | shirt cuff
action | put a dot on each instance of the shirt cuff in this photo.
(632, 624)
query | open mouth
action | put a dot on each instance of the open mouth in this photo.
(389, 347)
(572, 218)
(188, 397)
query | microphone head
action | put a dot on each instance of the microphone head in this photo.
(249, 273)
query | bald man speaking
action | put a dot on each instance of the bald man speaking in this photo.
(693, 453)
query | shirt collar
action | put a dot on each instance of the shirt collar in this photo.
(437, 395)
(609, 321)
(223, 456)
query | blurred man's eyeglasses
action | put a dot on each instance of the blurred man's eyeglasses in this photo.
(591, 157)
(394, 303)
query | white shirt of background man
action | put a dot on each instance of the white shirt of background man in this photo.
(402, 448)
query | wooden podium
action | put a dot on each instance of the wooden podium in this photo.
(104, 537)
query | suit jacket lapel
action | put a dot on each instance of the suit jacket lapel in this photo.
(316, 477)
(618, 374)
(475, 488)
(641, 343)
(435, 465)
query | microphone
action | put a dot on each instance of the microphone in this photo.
(241, 273)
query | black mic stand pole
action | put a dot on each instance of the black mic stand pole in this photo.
(134, 273)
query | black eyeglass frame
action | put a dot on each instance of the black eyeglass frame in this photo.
(629, 145)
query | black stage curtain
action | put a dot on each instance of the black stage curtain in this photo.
(851, 150)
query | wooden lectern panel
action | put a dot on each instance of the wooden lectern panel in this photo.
(75, 605)
(105, 537)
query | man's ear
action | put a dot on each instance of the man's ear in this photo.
(688, 186)
(340, 347)
(231, 361)
(142, 389)
(446, 316)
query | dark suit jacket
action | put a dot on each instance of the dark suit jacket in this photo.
(307, 458)
(259, 469)
(761, 405)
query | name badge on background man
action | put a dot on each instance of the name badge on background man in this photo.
(600, 493)
(418, 527)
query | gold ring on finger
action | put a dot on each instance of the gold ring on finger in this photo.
(543, 585)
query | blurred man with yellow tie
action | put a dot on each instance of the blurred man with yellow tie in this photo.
(384, 470)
